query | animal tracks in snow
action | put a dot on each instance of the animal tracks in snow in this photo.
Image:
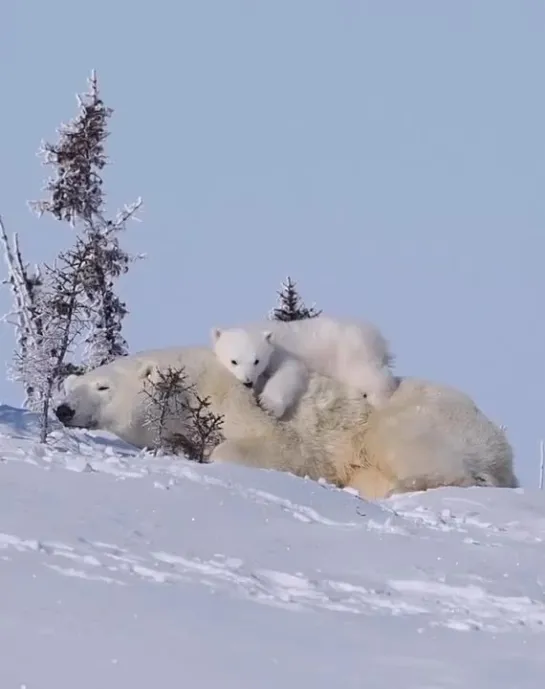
(452, 515)
(460, 608)
(461, 560)
(472, 607)
(84, 459)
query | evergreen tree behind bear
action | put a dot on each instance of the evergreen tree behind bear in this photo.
(290, 305)
(71, 303)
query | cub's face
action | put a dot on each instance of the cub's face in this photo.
(246, 355)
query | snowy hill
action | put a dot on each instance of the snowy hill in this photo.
(121, 570)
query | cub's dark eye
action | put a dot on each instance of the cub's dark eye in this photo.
(102, 387)
(234, 362)
(256, 362)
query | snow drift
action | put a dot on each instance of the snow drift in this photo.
(123, 570)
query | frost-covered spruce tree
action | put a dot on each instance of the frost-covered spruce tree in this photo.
(25, 315)
(48, 317)
(290, 305)
(59, 308)
(76, 196)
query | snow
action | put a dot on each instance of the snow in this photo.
(121, 570)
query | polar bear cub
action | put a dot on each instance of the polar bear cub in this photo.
(274, 358)
(277, 377)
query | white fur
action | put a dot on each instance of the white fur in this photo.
(425, 436)
(274, 357)
(277, 377)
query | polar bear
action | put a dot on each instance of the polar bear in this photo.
(426, 436)
(275, 358)
(277, 377)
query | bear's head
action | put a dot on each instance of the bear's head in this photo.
(247, 355)
(106, 398)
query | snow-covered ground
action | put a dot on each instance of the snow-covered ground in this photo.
(120, 570)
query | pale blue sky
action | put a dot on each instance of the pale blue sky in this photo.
(389, 155)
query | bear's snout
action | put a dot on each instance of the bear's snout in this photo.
(64, 413)
(248, 384)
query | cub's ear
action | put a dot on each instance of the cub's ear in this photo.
(268, 336)
(215, 334)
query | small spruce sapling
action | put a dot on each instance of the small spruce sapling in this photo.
(205, 431)
(290, 305)
(169, 398)
(165, 392)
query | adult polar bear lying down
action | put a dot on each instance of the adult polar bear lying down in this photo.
(426, 436)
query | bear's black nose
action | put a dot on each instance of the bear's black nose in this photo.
(64, 413)
(248, 384)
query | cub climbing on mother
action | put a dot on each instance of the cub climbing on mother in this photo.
(274, 359)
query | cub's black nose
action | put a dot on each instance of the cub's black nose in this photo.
(249, 384)
(64, 413)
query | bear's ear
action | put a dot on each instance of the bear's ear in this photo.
(215, 334)
(68, 382)
(268, 336)
(147, 370)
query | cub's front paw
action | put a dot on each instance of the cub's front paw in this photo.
(272, 404)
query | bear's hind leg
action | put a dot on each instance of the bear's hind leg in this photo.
(376, 383)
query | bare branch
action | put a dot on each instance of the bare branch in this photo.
(172, 400)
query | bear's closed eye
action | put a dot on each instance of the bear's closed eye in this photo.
(234, 362)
